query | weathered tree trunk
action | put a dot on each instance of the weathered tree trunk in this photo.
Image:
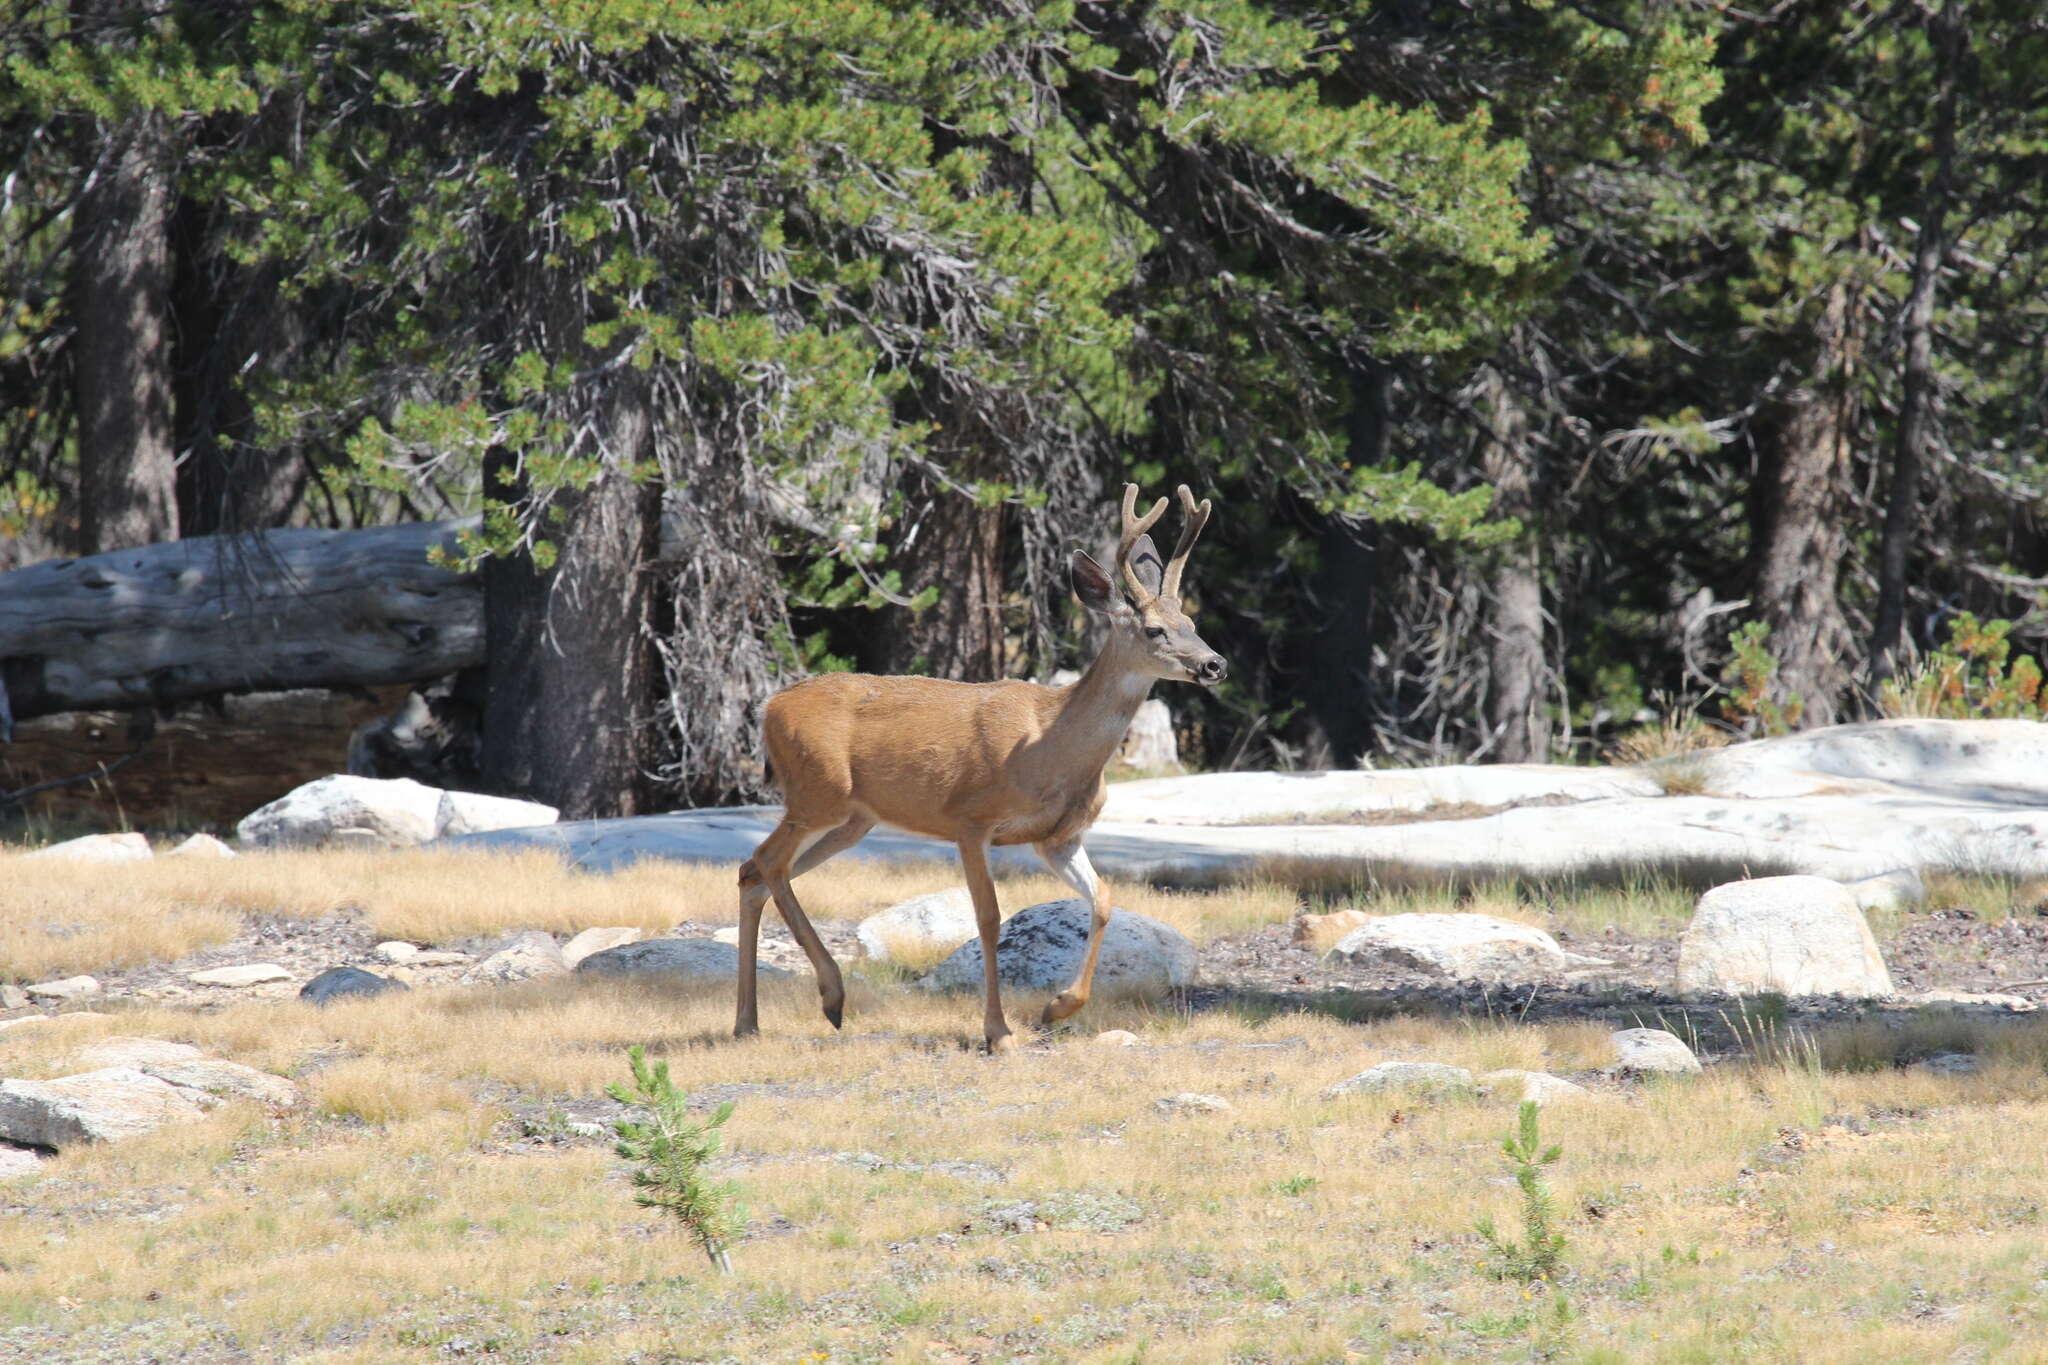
(1801, 537)
(207, 616)
(959, 550)
(571, 674)
(120, 287)
(1514, 608)
(1916, 399)
(1334, 675)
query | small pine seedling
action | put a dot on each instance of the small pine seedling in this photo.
(672, 1151)
(1541, 1251)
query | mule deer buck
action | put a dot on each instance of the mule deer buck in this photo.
(979, 764)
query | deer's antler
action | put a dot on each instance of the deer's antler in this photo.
(1193, 519)
(1135, 526)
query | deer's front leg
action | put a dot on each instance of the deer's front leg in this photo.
(1070, 862)
(988, 917)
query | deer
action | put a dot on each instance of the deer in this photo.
(980, 765)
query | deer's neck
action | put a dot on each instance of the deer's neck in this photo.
(1099, 707)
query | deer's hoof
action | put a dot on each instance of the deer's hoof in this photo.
(1002, 1043)
(834, 1014)
(1061, 1007)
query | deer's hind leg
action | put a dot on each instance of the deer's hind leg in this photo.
(1071, 863)
(772, 868)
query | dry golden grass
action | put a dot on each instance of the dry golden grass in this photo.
(399, 1217)
(62, 917)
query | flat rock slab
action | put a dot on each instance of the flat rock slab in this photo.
(199, 1076)
(691, 959)
(95, 1106)
(393, 812)
(1041, 948)
(1788, 935)
(1540, 1086)
(1846, 803)
(1460, 946)
(69, 988)
(1428, 1077)
(596, 940)
(242, 974)
(474, 813)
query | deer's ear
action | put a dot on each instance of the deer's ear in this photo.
(1145, 563)
(1092, 585)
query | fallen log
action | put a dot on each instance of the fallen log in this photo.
(214, 615)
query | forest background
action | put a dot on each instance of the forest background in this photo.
(1552, 365)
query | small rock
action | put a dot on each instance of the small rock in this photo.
(1899, 889)
(99, 848)
(1539, 1086)
(70, 988)
(693, 959)
(12, 997)
(1116, 1037)
(1041, 947)
(530, 954)
(1462, 946)
(1324, 932)
(920, 929)
(440, 957)
(95, 1106)
(475, 813)
(201, 846)
(1188, 1102)
(339, 982)
(242, 974)
(596, 941)
(1422, 1076)
(1651, 1049)
(397, 950)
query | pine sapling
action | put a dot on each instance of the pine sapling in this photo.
(672, 1151)
(1541, 1251)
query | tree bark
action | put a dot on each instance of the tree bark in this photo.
(571, 672)
(1514, 610)
(120, 284)
(1916, 399)
(959, 549)
(1335, 675)
(1801, 506)
(205, 617)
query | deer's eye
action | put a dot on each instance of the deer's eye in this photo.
(1155, 632)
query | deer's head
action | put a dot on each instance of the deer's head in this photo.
(1145, 616)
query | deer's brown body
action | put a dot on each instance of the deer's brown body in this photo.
(977, 764)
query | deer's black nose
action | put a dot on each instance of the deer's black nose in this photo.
(1212, 669)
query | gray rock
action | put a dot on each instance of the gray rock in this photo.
(201, 846)
(530, 954)
(16, 1162)
(345, 809)
(1651, 1049)
(70, 988)
(1942, 997)
(189, 1069)
(1949, 1064)
(1433, 1077)
(337, 983)
(1189, 1102)
(1897, 890)
(395, 950)
(692, 959)
(1116, 1037)
(475, 813)
(99, 848)
(12, 997)
(241, 974)
(921, 928)
(1040, 948)
(1539, 1086)
(95, 1106)
(1791, 935)
(1460, 946)
(596, 941)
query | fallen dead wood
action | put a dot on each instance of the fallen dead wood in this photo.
(208, 616)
